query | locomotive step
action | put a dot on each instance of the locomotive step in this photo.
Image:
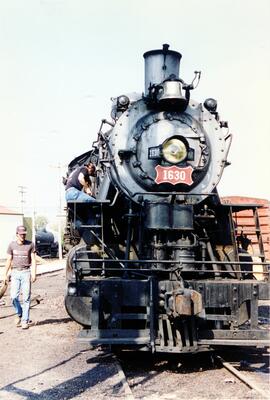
(114, 336)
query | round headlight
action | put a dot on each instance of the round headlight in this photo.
(174, 150)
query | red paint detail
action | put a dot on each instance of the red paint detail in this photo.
(174, 175)
(245, 221)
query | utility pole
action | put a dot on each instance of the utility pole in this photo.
(59, 167)
(34, 226)
(22, 191)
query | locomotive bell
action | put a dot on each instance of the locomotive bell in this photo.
(170, 95)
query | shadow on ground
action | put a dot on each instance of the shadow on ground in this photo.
(67, 389)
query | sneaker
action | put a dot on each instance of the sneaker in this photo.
(17, 321)
(25, 325)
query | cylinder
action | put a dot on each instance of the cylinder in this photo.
(160, 65)
(168, 216)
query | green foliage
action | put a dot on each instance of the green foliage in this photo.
(27, 222)
(40, 222)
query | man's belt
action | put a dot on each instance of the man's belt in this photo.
(21, 268)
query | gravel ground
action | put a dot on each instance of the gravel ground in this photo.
(46, 361)
(194, 379)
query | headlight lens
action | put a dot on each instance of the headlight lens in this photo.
(174, 150)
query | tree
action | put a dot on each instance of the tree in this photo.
(40, 222)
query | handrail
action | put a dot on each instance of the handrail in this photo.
(175, 261)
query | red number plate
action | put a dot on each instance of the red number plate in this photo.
(174, 175)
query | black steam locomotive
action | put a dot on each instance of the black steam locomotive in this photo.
(46, 245)
(155, 262)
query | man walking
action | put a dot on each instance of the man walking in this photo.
(21, 258)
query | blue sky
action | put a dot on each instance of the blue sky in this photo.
(62, 61)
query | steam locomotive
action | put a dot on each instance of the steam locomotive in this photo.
(155, 262)
(46, 245)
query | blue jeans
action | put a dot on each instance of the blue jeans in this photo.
(75, 194)
(21, 280)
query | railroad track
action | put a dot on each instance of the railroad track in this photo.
(233, 368)
(123, 380)
(221, 378)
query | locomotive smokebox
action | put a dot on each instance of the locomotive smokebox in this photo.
(160, 65)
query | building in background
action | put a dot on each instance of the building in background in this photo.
(246, 223)
(9, 220)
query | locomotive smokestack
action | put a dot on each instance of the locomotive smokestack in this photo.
(160, 65)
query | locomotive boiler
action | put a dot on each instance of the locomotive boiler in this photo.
(155, 262)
